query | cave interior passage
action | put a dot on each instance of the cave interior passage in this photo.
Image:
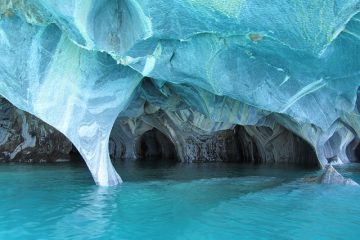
(357, 152)
(353, 150)
(155, 145)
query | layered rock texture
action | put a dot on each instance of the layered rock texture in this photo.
(256, 81)
(25, 138)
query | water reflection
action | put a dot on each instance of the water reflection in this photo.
(221, 201)
(154, 169)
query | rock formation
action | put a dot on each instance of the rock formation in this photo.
(331, 176)
(255, 80)
(25, 138)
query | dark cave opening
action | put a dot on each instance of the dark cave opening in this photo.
(264, 145)
(353, 151)
(357, 152)
(155, 145)
(75, 155)
(247, 150)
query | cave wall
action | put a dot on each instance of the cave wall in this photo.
(198, 139)
(201, 66)
(25, 138)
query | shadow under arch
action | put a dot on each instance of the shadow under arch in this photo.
(353, 150)
(277, 145)
(153, 144)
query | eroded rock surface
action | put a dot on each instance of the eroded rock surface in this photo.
(193, 69)
(331, 176)
(198, 139)
(25, 138)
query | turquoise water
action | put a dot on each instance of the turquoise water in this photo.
(184, 201)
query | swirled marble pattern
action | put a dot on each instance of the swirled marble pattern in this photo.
(79, 65)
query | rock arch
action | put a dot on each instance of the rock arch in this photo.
(154, 144)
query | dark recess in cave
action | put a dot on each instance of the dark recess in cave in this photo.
(247, 151)
(306, 155)
(353, 151)
(154, 145)
(266, 146)
(75, 155)
(357, 153)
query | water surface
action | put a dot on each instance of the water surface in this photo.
(182, 201)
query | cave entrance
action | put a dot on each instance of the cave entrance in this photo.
(155, 145)
(75, 155)
(264, 145)
(357, 152)
(353, 151)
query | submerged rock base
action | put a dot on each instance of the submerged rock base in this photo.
(331, 176)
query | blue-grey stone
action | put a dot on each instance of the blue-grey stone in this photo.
(78, 65)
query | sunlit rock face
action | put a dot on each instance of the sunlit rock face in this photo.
(202, 67)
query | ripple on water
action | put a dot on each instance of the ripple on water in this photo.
(59, 201)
